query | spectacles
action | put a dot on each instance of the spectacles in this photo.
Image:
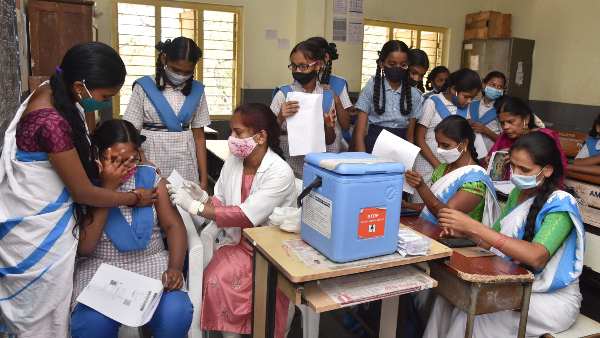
(301, 67)
(402, 66)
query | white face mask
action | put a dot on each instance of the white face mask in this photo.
(174, 78)
(449, 155)
(524, 182)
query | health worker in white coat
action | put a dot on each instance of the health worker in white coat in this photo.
(253, 182)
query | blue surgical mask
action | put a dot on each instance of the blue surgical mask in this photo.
(524, 182)
(90, 104)
(493, 93)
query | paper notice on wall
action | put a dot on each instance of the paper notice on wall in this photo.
(519, 75)
(468, 46)
(474, 62)
(270, 34)
(283, 44)
(348, 21)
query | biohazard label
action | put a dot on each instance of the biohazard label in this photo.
(371, 223)
(316, 213)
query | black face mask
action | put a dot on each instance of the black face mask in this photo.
(304, 78)
(395, 74)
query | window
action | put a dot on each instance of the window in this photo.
(215, 29)
(376, 33)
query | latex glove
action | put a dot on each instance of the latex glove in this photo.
(184, 200)
(195, 191)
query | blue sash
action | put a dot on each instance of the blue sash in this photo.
(443, 111)
(337, 84)
(172, 121)
(450, 190)
(487, 117)
(31, 156)
(134, 236)
(591, 142)
(327, 96)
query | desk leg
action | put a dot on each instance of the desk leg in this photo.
(389, 317)
(524, 310)
(264, 288)
(471, 313)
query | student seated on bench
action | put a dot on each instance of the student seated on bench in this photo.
(588, 159)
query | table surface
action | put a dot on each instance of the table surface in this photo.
(209, 130)
(219, 148)
(269, 240)
(490, 269)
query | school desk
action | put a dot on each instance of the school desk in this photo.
(478, 285)
(216, 153)
(275, 267)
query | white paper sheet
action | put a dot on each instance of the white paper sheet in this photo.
(306, 133)
(176, 179)
(480, 146)
(395, 148)
(124, 296)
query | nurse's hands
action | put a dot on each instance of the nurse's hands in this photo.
(184, 200)
(195, 191)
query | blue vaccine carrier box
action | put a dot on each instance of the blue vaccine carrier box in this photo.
(354, 213)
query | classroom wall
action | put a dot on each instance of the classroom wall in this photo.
(566, 59)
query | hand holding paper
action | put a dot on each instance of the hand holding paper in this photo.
(305, 128)
(397, 149)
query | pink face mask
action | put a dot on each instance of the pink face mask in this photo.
(241, 147)
(129, 174)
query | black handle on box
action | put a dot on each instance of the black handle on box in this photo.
(317, 182)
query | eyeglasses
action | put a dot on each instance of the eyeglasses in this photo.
(402, 66)
(301, 67)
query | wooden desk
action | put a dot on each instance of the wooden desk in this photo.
(479, 285)
(217, 152)
(276, 267)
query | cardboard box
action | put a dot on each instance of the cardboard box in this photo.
(487, 24)
(588, 198)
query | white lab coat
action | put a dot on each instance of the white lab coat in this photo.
(273, 186)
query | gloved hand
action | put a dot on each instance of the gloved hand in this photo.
(183, 199)
(195, 191)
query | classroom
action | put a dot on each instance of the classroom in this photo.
(299, 169)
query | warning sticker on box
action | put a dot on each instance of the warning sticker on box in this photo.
(371, 223)
(316, 213)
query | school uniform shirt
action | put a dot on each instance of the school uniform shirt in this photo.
(345, 97)
(391, 117)
(584, 152)
(494, 125)
(168, 150)
(297, 162)
(430, 118)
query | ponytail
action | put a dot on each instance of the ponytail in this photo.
(378, 88)
(406, 96)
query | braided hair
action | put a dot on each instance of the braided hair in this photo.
(100, 67)
(379, 80)
(544, 152)
(180, 48)
(418, 57)
(458, 129)
(433, 74)
(328, 49)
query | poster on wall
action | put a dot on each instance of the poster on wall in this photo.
(348, 21)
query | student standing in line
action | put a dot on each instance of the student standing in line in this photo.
(47, 181)
(253, 182)
(306, 61)
(419, 65)
(435, 81)
(131, 238)
(458, 182)
(338, 84)
(588, 159)
(388, 101)
(484, 118)
(458, 91)
(170, 110)
(540, 228)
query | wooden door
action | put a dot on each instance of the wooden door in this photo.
(54, 27)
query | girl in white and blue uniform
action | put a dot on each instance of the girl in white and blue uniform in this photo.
(484, 118)
(587, 160)
(388, 101)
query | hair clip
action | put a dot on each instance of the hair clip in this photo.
(58, 69)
